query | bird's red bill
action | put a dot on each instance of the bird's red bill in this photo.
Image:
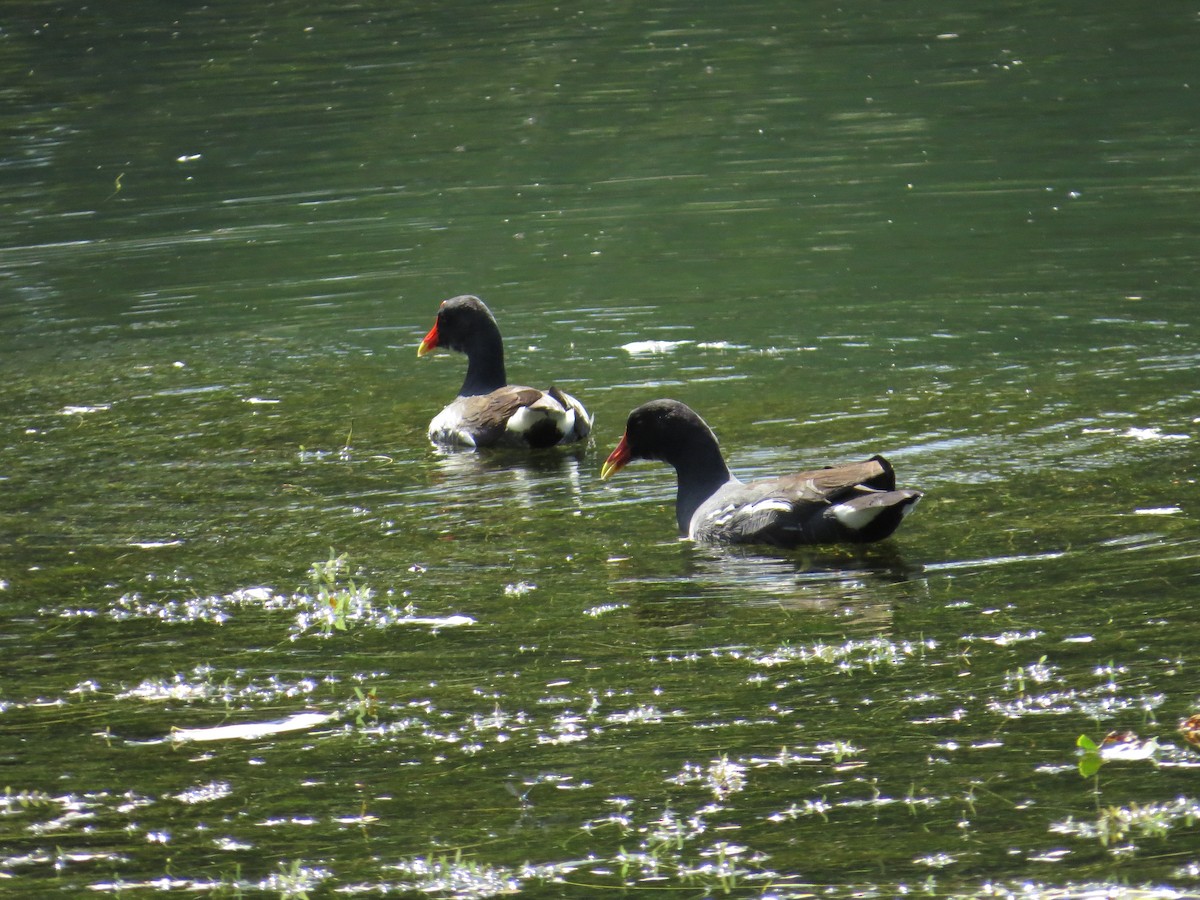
(430, 342)
(616, 460)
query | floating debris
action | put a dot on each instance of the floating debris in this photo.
(249, 731)
(642, 348)
(83, 410)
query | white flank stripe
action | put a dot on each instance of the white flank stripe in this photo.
(767, 504)
(733, 511)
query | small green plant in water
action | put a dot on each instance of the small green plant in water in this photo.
(1123, 746)
(456, 876)
(1090, 759)
(722, 870)
(25, 800)
(366, 707)
(332, 595)
(1117, 825)
(839, 750)
(294, 881)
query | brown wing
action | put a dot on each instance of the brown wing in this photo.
(496, 408)
(487, 415)
(821, 485)
(817, 506)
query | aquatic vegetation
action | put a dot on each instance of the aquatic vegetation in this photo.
(334, 602)
(330, 602)
(205, 793)
(604, 609)
(837, 750)
(1105, 699)
(1149, 820)
(457, 876)
(643, 714)
(668, 848)
(720, 867)
(334, 596)
(205, 684)
(1115, 746)
(1037, 673)
(295, 880)
(721, 777)
(715, 825)
(12, 801)
(849, 656)
(1037, 890)
(813, 806)
(365, 707)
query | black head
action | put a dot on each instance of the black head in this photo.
(463, 324)
(667, 430)
(658, 429)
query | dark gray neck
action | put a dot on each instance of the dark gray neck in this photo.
(700, 473)
(485, 365)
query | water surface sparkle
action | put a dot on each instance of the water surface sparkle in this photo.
(260, 639)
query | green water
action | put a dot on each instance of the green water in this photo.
(964, 236)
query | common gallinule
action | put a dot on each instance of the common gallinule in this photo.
(490, 412)
(853, 503)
